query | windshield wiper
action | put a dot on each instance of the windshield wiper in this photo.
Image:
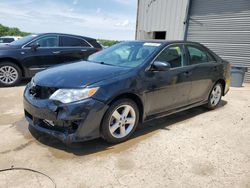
(102, 62)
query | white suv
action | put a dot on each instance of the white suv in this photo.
(8, 39)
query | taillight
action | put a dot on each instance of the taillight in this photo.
(98, 49)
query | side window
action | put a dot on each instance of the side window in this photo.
(197, 55)
(73, 42)
(173, 55)
(47, 41)
(211, 57)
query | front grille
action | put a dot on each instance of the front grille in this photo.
(61, 126)
(58, 125)
(28, 115)
(41, 92)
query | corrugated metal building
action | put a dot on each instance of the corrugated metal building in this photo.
(221, 25)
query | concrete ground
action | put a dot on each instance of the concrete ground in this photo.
(195, 148)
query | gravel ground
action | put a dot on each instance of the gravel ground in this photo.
(195, 148)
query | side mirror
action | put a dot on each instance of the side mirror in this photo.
(35, 46)
(160, 66)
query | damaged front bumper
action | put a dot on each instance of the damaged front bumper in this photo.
(73, 122)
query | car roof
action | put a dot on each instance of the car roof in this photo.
(166, 41)
(65, 34)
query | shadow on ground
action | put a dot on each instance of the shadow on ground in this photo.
(24, 82)
(143, 131)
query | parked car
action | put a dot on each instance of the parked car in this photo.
(25, 57)
(8, 39)
(125, 84)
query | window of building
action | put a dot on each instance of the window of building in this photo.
(160, 35)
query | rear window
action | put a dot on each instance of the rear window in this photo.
(72, 42)
(94, 43)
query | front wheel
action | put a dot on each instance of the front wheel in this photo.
(120, 121)
(215, 96)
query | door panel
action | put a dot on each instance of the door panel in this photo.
(202, 81)
(167, 90)
(205, 71)
(170, 89)
(42, 55)
(71, 54)
(40, 58)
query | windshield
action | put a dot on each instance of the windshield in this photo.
(125, 54)
(23, 40)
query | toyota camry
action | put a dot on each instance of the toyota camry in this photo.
(129, 83)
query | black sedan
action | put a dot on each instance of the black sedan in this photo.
(117, 88)
(33, 53)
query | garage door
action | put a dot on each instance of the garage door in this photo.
(224, 27)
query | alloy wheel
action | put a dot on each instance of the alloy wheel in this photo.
(8, 74)
(122, 121)
(215, 95)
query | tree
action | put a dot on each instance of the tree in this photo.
(13, 31)
(108, 42)
(8, 31)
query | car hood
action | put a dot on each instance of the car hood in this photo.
(77, 75)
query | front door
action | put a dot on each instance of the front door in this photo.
(170, 89)
(45, 55)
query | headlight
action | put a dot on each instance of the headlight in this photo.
(72, 95)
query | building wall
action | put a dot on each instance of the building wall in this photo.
(224, 27)
(221, 25)
(161, 15)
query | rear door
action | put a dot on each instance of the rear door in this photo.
(170, 89)
(204, 73)
(74, 49)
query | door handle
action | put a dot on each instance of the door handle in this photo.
(187, 73)
(56, 52)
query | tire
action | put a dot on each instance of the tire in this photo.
(215, 96)
(116, 125)
(10, 74)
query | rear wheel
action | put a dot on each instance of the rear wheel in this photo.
(10, 74)
(215, 96)
(120, 121)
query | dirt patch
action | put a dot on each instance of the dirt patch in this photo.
(22, 127)
(22, 146)
(203, 168)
